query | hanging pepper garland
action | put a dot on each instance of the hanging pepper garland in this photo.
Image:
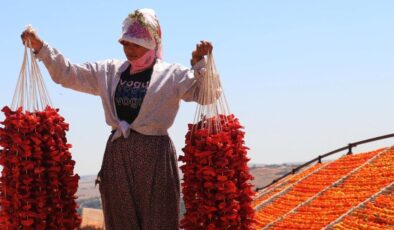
(216, 182)
(37, 183)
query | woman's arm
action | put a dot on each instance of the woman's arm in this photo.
(80, 77)
(189, 84)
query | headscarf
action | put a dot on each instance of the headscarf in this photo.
(142, 28)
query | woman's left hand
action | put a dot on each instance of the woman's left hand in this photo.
(202, 49)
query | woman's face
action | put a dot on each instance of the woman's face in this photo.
(132, 50)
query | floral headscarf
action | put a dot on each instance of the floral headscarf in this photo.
(142, 28)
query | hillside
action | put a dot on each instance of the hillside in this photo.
(89, 196)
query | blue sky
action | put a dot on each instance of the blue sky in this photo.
(303, 77)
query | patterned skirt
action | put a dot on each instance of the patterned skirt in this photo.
(139, 183)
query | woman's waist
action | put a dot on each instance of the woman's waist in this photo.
(145, 131)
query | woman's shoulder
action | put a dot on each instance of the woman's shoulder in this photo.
(113, 62)
(162, 65)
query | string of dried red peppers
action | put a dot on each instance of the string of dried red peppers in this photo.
(215, 186)
(37, 183)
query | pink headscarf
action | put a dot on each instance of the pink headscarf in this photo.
(142, 28)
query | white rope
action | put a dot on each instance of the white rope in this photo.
(211, 99)
(30, 92)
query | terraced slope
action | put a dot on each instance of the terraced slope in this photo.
(331, 195)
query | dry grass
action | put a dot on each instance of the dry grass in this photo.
(92, 219)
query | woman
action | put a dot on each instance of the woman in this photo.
(138, 180)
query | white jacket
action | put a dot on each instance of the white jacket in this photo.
(168, 85)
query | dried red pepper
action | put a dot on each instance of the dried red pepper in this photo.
(216, 182)
(38, 184)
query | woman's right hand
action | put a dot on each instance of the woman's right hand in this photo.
(35, 42)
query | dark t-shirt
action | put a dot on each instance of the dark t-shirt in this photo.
(130, 93)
